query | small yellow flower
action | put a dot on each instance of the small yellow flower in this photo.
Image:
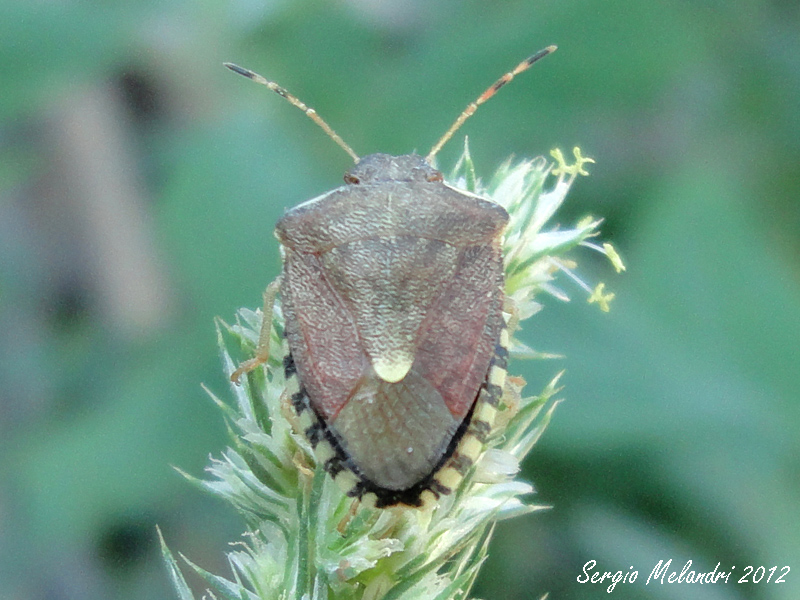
(601, 298)
(615, 259)
(562, 168)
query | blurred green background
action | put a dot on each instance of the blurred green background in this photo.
(140, 181)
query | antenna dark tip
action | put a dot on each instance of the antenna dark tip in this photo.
(240, 70)
(540, 54)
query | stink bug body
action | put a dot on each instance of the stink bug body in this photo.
(392, 296)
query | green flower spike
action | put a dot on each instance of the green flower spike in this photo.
(305, 540)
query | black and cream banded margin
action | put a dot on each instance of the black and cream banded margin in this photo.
(464, 451)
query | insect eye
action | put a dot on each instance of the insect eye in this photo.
(435, 176)
(352, 179)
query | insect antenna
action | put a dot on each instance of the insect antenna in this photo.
(295, 101)
(490, 91)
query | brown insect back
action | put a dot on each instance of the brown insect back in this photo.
(392, 295)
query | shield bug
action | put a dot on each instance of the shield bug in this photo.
(392, 296)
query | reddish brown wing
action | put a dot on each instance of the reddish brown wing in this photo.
(458, 337)
(321, 334)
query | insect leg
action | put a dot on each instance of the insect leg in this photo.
(262, 349)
